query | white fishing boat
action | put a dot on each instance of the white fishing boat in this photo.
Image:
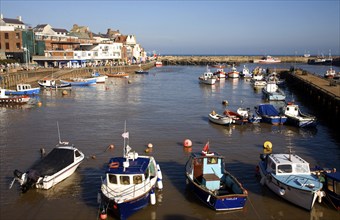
(52, 84)
(99, 78)
(219, 119)
(297, 118)
(233, 73)
(12, 100)
(272, 92)
(207, 77)
(245, 72)
(53, 168)
(289, 176)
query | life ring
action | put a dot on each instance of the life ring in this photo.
(20, 99)
(114, 165)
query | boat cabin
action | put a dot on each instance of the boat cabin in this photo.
(23, 87)
(207, 169)
(271, 87)
(132, 172)
(286, 164)
(291, 109)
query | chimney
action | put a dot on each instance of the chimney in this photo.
(19, 18)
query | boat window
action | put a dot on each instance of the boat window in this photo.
(301, 168)
(212, 160)
(284, 168)
(330, 185)
(77, 153)
(124, 180)
(137, 179)
(112, 179)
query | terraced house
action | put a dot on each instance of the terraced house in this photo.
(57, 47)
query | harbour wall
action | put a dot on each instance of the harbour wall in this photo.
(10, 80)
(208, 60)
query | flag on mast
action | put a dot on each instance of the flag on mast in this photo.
(206, 148)
(125, 135)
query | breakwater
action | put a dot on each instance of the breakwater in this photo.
(210, 60)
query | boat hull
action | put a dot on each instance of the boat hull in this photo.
(301, 122)
(221, 120)
(223, 203)
(299, 197)
(33, 91)
(274, 120)
(126, 209)
(88, 82)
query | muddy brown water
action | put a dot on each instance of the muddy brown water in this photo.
(163, 108)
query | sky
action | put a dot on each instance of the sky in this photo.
(187, 27)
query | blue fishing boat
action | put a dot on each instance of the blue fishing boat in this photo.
(332, 188)
(80, 81)
(270, 115)
(23, 89)
(130, 183)
(212, 184)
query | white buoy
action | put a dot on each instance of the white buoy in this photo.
(152, 198)
(159, 178)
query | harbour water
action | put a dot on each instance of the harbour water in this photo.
(163, 108)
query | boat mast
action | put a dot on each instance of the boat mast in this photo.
(58, 133)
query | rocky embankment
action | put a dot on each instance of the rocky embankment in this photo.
(206, 60)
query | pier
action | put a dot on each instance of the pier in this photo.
(323, 94)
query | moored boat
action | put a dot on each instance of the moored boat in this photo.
(245, 72)
(272, 92)
(207, 77)
(23, 89)
(219, 119)
(53, 168)
(130, 182)
(233, 73)
(209, 180)
(158, 64)
(270, 115)
(118, 75)
(289, 176)
(297, 118)
(330, 73)
(13, 100)
(99, 78)
(80, 81)
(236, 117)
(268, 60)
(220, 73)
(52, 84)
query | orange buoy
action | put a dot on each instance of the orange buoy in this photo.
(187, 143)
(111, 146)
(64, 92)
(150, 145)
(103, 215)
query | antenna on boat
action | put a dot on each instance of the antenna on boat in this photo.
(290, 153)
(58, 133)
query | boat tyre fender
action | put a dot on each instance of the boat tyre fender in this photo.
(114, 165)
(20, 99)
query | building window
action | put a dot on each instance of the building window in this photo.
(17, 36)
(7, 46)
(6, 35)
(18, 45)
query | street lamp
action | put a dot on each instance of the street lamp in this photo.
(27, 60)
